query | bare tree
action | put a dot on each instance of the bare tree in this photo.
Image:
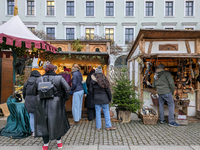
(129, 46)
(42, 35)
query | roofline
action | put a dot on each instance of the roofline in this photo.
(142, 35)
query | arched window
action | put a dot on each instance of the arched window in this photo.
(59, 49)
(121, 61)
(97, 50)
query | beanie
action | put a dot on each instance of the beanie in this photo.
(98, 69)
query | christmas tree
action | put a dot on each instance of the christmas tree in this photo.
(124, 95)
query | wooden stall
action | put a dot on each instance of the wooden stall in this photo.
(179, 51)
(93, 53)
(6, 80)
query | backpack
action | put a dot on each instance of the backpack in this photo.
(46, 89)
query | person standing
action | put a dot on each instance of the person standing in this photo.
(29, 94)
(99, 86)
(66, 75)
(89, 102)
(78, 92)
(51, 120)
(164, 84)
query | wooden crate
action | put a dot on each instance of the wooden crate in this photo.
(181, 121)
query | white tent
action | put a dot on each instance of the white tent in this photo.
(14, 29)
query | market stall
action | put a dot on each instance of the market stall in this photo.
(179, 51)
(87, 59)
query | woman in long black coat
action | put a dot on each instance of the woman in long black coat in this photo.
(51, 120)
(89, 102)
(29, 94)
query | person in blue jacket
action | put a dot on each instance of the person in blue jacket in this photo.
(78, 92)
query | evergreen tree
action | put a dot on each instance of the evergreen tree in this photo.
(124, 95)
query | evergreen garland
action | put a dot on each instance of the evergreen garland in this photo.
(124, 95)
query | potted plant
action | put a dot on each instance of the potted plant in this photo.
(77, 46)
(124, 96)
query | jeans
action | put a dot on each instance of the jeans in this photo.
(166, 97)
(105, 108)
(32, 121)
(77, 101)
(91, 113)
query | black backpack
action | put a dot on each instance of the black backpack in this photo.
(46, 89)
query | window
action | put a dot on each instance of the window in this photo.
(97, 50)
(121, 61)
(110, 33)
(50, 32)
(189, 28)
(30, 7)
(89, 33)
(50, 7)
(189, 8)
(10, 7)
(129, 9)
(89, 8)
(109, 8)
(168, 8)
(70, 8)
(70, 33)
(31, 29)
(128, 35)
(169, 28)
(149, 8)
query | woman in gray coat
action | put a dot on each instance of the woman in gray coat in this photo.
(29, 94)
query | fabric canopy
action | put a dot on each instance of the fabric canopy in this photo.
(14, 29)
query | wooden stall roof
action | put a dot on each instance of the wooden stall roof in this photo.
(163, 34)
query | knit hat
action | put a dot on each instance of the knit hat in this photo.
(161, 66)
(49, 68)
(98, 69)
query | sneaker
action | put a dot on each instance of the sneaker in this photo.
(59, 145)
(174, 124)
(111, 128)
(45, 147)
(98, 130)
(162, 121)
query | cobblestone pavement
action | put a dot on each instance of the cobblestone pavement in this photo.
(128, 134)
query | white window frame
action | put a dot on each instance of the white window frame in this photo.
(173, 8)
(106, 27)
(105, 8)
(189, 27)
(124, 33)
(26, 8)
(95, 30)
(51, 26)
(74, 8)
(46, 9)
(65, 27)
(85, 8)
(35, 26)
(125, 8)
(6, 13)
(145, 27)
(153, 9)
(169, 27)
(185, 9)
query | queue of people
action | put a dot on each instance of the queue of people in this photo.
(45, 97)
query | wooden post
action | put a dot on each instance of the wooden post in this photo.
(150, 47)
(197, 46)
(133, 74)
(188, 47)
(141, 84)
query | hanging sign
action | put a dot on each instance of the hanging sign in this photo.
(168, 47)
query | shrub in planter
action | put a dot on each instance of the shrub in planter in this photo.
(124, 95)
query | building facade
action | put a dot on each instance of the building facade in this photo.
(118, 20)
